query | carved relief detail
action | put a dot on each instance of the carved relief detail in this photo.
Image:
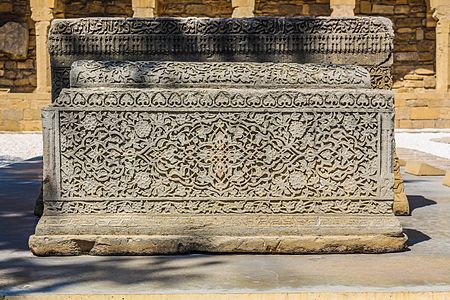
(213, 207)
(381, 78)
(215, 155)
(228, 98)
(151, 73)
(193, 35)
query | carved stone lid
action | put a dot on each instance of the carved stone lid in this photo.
(215, 74)
(335, 40)
(364, 41)
(205, 26)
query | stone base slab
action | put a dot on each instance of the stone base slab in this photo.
(156, 234)
(177, 244)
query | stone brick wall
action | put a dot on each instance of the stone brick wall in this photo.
(415, 41)
(290, 8)
(417, 103)
(97, 8)
(22, 111)
(18, 75)
(194, 8)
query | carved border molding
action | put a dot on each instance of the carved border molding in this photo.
(213, 207)
(187, 99)
(215, 74)
(192, 35)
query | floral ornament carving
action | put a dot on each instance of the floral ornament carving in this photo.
(235, 155)
(212, 74)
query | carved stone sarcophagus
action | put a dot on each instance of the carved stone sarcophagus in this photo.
(147, 157)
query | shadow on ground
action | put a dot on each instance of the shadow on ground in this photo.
(20, 272)
(56, 273)
(417, 201)
(415, 236)
(20, 185)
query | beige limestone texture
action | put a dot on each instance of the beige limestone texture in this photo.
(143, 8)
(42, 14)
(422, 169)
(401, 204)
(243, 8)
(446, 180)
(360, 295)
(142, 245)
(22, 111)
(417, 31)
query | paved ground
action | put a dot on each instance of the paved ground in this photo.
(425, 267)
(425, 141)
(433, 160)
(19, 146)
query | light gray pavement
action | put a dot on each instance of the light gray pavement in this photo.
(424, 140)
(424, 267)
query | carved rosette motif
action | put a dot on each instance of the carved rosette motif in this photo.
(218, 155)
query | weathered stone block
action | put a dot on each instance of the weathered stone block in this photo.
(425, 71)
(446, 180)
(383, 9)
(422, 169)
(365, 7)
(14, 40)
(5, 7)
(207, 156)
(423, 113)
(407, 56)
(175, 157)
(401, 9)
(301, 40)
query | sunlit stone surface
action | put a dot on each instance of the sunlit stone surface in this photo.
(223, 155)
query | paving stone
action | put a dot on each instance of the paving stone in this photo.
(422, 169)
(424, 268)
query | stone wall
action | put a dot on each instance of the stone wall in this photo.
(197, 8)
(97, 8)
(291, 8)
(415, 41)
(418, 104)
(22, 111)
(18, 74)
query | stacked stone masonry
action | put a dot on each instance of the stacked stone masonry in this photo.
(197, 8)
(292, 8)
(414, 70)
(17, 74)
(418, 105)
(414, 44)
(95, 8)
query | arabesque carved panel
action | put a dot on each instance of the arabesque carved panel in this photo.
(249, 155)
